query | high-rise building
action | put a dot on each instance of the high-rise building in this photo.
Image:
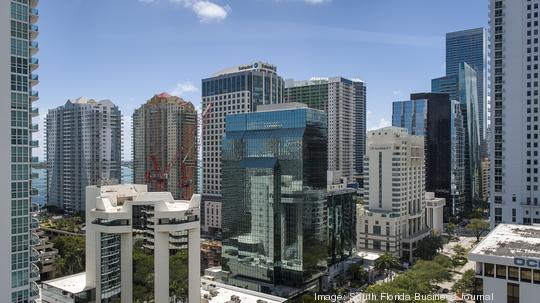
(83, 147)
(165, 145)
(439, 120)
(514, 142)
(344, 101)
(463, 87)
(274, 198)
(238, 89)
(393, 220)
(125, 265)
(18, 64)
(471, 46)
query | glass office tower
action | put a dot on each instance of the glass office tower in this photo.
(274, 196)
(439, 120)
(464, 88)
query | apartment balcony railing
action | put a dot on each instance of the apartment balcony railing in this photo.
(34, 223)
(34, 47)
(34, 160)
(34, 112)
(34, 207)
(34, 31)
(34, 273)
(34, 192)
(34, 3)
(34, 95)
(34, 239)
(34, 15)
(34, 176)
(34, 79)
(34, 63)
(34, 128)
(34, 143)
(34, 255)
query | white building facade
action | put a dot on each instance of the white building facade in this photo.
(393, 219)
(508, 265)
(434, 212)
(118, 219)
(18, 64)
(514, 139)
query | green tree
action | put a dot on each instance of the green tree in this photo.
(387, 263)
(428, 247)
(71, 255)
(477, 227)
(443, 260)
(178, 275)
(466, 283)
(358, 274)
(451, 229)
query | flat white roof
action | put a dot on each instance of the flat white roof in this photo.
(509, 240)
(224, 292)
(73, 284)
(368, 255)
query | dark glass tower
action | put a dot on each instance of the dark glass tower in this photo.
(439, 120)
(274, 198)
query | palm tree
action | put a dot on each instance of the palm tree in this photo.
(387, 263)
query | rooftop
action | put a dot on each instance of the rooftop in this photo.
(508, 240)
(222, 293)
(280, 106)
(72, 284)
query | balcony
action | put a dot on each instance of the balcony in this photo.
(34, 47)
(34, 192)
(34, 240)
(34, 291)
(34, 63)
(34, 3)
(34, 160)
(34, 176)
(34, 95)
(34, 273)
(34, 79)
(34, 255)
(34, 128)
(34, 15)
(34, 223)
(34, 31)
(34, 143)
(34, 112)
(34, 207)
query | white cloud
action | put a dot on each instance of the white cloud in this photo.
(207, 11)
(182, 88)
(371, 125)
(316, 1)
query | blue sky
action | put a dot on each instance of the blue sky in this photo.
(128, 50)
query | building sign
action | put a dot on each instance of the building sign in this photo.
(529, 262)
(257, 65)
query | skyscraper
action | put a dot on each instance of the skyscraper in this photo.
(514, 142)
(18, 32)
(344, 101)
(471, 46)
(84, 147)
(394, 218)
(463, 88)
(238, 89)
(165, 145)
(274, 197)
(439, 120)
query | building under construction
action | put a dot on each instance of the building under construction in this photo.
(165, 145)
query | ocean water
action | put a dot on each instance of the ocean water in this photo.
(41, 183)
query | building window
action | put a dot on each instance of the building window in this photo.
(512, 293)
(488, 269)
(526, 275)
(513, 273)
(536, 276)
(501, 271)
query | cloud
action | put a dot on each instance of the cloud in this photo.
(207, 11)
(182, 88)
(371, 125)
(147, 1)
(316, 2)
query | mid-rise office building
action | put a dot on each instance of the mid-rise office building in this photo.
(274, 198)
(463, 88)
(119, 265)
(238, 89)
(434, 212)
(84, 147)
(508, 265)
(471, 46)
(18, 64)
(393, 219)
(165, 145)
(514, 142)
(439, 120)
(344, 101)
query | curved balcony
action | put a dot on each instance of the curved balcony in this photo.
(34, 143)
(34, 15)
(34, 255)
(34, 272)
(34, 207)
(34, 112)
(34, 95)
(34, 47)
(34, 31)
(34, 192)
(34, 63)
(34, 79)
(34, 291)
(34, 239)
(34, 3)
(34, 128)
(34, 223)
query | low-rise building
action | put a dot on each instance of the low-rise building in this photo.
(215, 292)
(508, 264)
(434, 212)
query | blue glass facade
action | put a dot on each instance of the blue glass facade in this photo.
(274, 204)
